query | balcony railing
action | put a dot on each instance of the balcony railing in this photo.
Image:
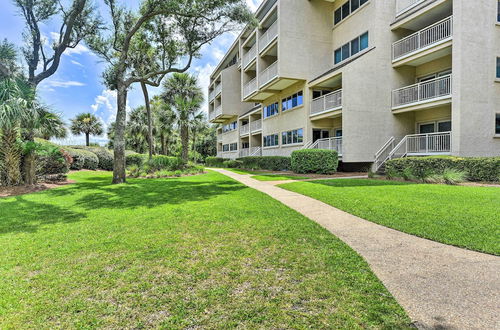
(216, 113)
(256, 151)
(268, 36)
(250, 87)
(432, 143)
(327, 102)
(218, 89)
(250, 56)
(244, 129)
(268, 74)
(405, 5)
(245, 152)
(422, 39)
(219, 137)
(256, 125)
(334, 143)
(430, 90)
(211, 95)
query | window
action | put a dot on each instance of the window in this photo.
(225, 147)
(292, 137)
(320, 93)
(271, 110)
(292, 101)
(347, 9)
(245, 145)
(230, 127)
(233, 146)
(351, 48)
(498, 66)
(497, 123)
(498, 12)
(271, 140)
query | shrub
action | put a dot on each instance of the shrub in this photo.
(475, 169)
(272, 163)
(315, 161)
(105, 157)
(160, 162)
(135, 159)
(232, 163)
(51, 159)
(214, 161)
(83, 159)
(451, 176)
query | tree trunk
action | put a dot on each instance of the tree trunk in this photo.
(150, 120)
(10, 158)
(29, 162)
(119, 140)
(185, 142)
(163, 144)
(87, 139)
(194, 146)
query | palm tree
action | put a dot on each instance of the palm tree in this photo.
(53, 126)
(197, 125)
(138, 130)
(181, 90)
(164, 118)
(88, 124)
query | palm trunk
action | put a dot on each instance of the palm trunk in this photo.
(10, 158)
(87, 139)
(185, 142)
(29, 162)
(150, 120)
(163, 144)
(119, 175)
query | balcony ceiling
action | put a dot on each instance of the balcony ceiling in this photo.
(428, 17)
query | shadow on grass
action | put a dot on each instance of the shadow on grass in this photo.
(90, 193)
(346, 183)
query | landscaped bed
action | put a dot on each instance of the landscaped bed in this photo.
(464, 216)
(201, 251)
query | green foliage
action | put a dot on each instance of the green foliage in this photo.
(83, 159)
(485, 169)
(449, 176)
(231, 163)
(271, 163)
(105, 157)
(214, 161)
(160, 162)
(315, 161)
(51, 159)
(86, 123)
(135, 159)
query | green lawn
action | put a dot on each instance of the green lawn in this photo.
(194, 252)
(458, 215)
(277, 177)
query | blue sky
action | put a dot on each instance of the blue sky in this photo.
(77, 87)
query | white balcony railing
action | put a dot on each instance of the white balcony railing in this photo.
(268, 74)
(328, 102)
(431, 35)
(216, 113)
(250, 56)
(433, 143)
(256, 125)
(268, 36)
(211, 95)
(219, 137)
(430, 90)
(250, 87)
(256, 151)
(334, 143)
(405, 5)
(245, 152)
(218, 89)
(244, 129)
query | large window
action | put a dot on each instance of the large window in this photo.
(351, 48)
(271, 110)
(292, 137)
(498, 11)
(292, 101)
(347, 9)
(497, 123)
(271, 140)
(225, 147)
(230, 127)
(233, 146)
(498, 66)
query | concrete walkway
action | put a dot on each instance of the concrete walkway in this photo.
(439, 286)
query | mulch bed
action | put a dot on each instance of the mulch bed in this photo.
(21, 190)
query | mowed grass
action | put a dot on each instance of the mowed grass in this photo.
(464, 216)
(201, 251)
(277, 177)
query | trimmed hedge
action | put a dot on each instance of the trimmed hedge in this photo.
(83, 159)
(315, 161)
(51, 159)
(214, 161)
(272, 163)
(157, 163)
(135, 159)
(105, 157)
(485, 169)
(231, 163)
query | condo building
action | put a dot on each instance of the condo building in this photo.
(371, 79)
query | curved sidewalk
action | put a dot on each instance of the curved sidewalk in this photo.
(440, 286)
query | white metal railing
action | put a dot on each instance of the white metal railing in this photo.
(250, 87)
(214, 114)
(268, 36)
(244, 152)
(219, 137)
(383, 154)
(421, 92)
(250, 56)
(422, 39)
(244, 129)
(326, 102)
(405, 5)
(211, 95)
(218, 89)
(268, 74)
(256, 151)
(256, 125)
(334, 143)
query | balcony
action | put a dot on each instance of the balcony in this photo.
(434, 35)
(219, 137)
(422, 94)
(256, 125)
(245, 152)
(250, 56)
(256, 151)
(403, 6)
(245, 129)
(334, 143)
(250, 88)
(218, 89)
(211, 96)
(268, 37)
(270, 73)
(326, 103)
(216, 113)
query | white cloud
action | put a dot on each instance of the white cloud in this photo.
(79, 49)
(77, 63)
(253, 4)
(51, 84)
(105, 106)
